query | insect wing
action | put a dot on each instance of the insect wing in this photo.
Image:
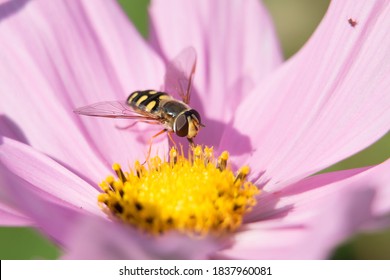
(112, 109)
(179, 74)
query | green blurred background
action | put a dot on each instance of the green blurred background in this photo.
(295, 21)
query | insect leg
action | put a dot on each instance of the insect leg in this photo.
(191, 142)
(151, 142)
(170, 138)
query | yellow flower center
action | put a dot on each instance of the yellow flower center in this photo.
(196, 196)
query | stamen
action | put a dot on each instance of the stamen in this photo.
(222, 161)
(117, 168)
(198, 195)
(242, 173)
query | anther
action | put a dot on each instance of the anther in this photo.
(173, 156)
(208, 155)
(108, 184)
(118, 170)
(197, 152)
(139, 168)
(222, 161)
(242, 174)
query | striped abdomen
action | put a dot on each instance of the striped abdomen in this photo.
(147, 100)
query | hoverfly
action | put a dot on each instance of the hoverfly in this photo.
(158, 107)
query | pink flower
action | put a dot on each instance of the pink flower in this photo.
(286, 121)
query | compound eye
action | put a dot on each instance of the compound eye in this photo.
(181, 125)
(195, 114)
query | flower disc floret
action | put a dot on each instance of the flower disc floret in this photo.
(198, 195)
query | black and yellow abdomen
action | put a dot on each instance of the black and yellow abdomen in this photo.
(147, 100)
(175, 115)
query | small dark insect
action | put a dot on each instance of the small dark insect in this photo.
(352, 22)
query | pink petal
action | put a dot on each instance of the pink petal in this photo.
(312, 216)
(59, 55)
(236, 46)
(328, 102)
(10, 217)
(54, 218)
(95, 238)
(26, 168)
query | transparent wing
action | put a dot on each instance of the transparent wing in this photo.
(179, 74)
(113, 109)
